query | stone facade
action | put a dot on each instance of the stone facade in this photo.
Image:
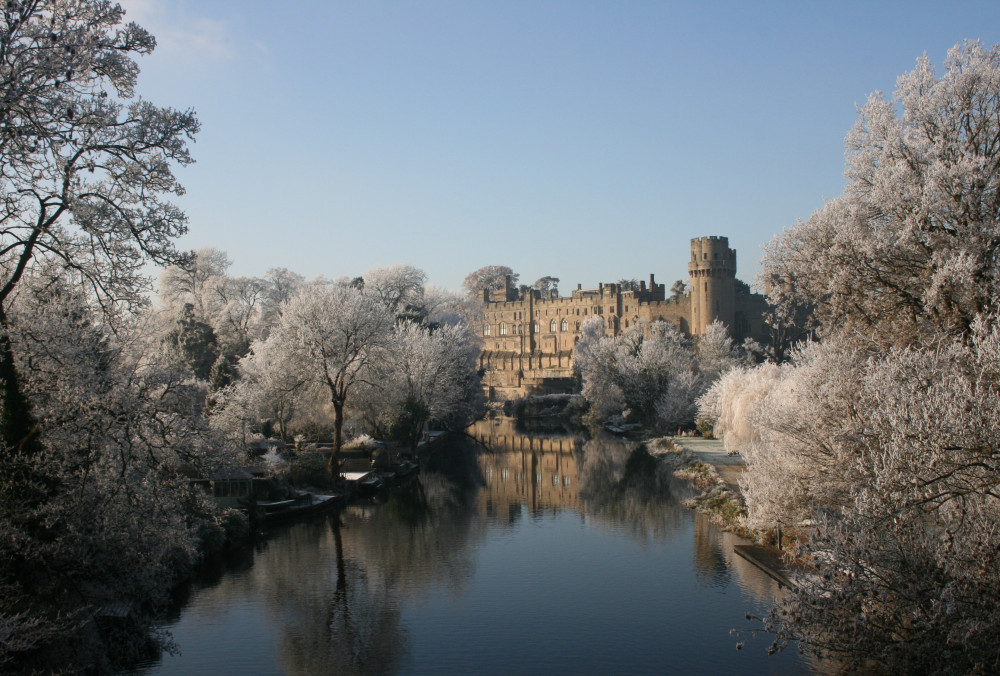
(528, 339)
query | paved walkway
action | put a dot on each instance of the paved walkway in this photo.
(712, 452)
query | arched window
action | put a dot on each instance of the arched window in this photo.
(535, 327)
(552, 326)
(503, 329)
(564, 326)
(487, 329)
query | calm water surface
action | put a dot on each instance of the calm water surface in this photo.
(531, 554)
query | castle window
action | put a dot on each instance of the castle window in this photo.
(706, 256)
(564, 326)
(578, 326)
(552, 326)
(503, 329)
(536, 327)
(487, 329)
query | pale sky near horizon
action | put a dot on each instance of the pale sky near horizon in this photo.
(584, 140)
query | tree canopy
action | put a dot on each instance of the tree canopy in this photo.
(913, 243)
(85, 167)
(878, 442)
(492, 277)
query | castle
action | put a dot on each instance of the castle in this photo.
(528, 338)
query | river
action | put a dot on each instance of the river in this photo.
(515, 553)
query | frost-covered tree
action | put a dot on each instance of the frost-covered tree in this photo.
(280, 285)
(427, 376)
(889, 463)
(334, 334)
(241, 301)
(101, 513)
(880, 441)
(270, 387)
(731, 403)
(84, 166)
(492, 277)
(450, 308)
(396, 286)
(911, 246)
(716, 352)
(196, 280)
(654, 376)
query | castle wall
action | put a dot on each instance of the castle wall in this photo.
(528, 339)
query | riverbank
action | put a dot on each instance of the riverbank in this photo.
(713, 452)
(707, 464)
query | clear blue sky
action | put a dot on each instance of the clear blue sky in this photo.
(585, 140)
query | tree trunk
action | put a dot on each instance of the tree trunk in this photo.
(17, 427)
(333, 466)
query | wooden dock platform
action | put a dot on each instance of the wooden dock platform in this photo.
(768, 559)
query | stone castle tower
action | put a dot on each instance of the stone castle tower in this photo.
(529, 339)
(713, 283)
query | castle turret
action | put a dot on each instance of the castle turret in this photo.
(713, 288)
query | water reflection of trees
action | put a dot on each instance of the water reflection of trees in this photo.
(715, 561)
(613, 482)
(335, 586)
(624, 488)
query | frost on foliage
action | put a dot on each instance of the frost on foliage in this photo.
(731, 402)
(271, 386)
(396, 286)
(86, 166)
(653, 372)
(893, 459)
(426, 376)
(882, 441)
(909, 248)
(653, 376)
(333, 336)
(103, 507)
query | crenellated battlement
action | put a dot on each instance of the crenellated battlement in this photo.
(528, 339)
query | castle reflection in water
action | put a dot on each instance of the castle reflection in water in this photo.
(554, 472)
(536, 472)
